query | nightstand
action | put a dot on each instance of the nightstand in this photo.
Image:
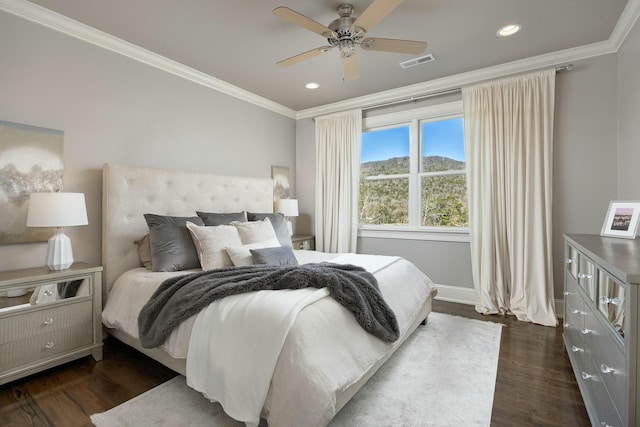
(303, 241)
(48, 318)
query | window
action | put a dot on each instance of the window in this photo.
(413, 171)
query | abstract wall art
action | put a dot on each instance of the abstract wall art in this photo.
(31, 160)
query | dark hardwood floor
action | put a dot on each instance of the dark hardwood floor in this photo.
(534, 387)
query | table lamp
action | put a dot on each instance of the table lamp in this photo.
(57, 210)
(288, 208)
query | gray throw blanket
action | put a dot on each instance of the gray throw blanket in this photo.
(180, 297)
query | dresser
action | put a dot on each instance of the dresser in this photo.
(601, 325)
(48, 318)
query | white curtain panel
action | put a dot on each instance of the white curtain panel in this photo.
(338, 142)
(508, 128)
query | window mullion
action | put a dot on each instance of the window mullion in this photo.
(414, 169)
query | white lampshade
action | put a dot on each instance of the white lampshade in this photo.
(287, 207)
(57, 210)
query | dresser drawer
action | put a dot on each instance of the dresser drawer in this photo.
(611, 300)
(573, 320)
(602, 410)
(44, 346)
(587, 276)
(571, 261)
(38, 321)
(609, 361)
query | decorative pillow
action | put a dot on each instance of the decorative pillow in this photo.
(144, 251)
(172, 248)
(282, 255)
(241, 255)
(255, 231)
(213, 218)
(211, 242)
(279, 225)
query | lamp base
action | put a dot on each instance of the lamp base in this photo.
(59, 253)
(289, 226)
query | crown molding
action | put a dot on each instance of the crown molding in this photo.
(625, 23)
(623, 27)
(55, 21)
(68, 26)
(457, 81)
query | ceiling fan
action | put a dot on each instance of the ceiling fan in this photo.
(347, 32)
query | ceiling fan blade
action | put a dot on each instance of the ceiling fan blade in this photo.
(393, 45)
(301, 20)
(350, 67)
(375, 13)
(302, 56)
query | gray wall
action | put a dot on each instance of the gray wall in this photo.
(629, 117)
(114, 109)
(585, 161)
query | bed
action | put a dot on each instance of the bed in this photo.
(325, 357)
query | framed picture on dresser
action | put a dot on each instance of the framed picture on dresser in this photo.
(622, 219)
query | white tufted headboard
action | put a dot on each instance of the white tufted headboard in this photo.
(129, 192)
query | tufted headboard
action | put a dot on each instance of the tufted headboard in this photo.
(128, 192)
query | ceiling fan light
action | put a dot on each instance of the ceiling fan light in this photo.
(508, 30)
(312, 85)
(347, 48)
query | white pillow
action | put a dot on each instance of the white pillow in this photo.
(241, 255)
(255, 231)
(210, 243)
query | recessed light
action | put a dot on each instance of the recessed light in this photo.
(508, 30)
(312, 85)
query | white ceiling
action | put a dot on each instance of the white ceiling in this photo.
(240, 41)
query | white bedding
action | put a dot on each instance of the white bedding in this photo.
(317, 360)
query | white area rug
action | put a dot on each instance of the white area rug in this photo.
(443, 375)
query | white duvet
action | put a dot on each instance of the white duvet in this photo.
(295, 372)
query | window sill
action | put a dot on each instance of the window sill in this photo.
(449, 235)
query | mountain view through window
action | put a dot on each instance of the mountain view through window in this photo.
(428, 176)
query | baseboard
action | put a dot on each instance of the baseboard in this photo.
(468, 296)
(457, 294)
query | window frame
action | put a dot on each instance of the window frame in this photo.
(414, 119)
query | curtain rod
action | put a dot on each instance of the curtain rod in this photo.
(559, 69)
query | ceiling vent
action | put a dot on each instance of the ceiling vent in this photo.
(417, 61)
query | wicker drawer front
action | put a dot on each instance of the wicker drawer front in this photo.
(46, 345)
(32, 323)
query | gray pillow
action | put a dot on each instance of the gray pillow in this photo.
(215, 218)
(172, 247)
(279, 225)
(280, 255)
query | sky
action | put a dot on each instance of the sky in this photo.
(442, 138)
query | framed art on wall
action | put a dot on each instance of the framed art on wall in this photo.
(30, 162)
(281, 189)
(622, 219)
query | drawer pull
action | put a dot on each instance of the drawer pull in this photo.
(586, 376)
(576, 311)
(607, 369)
(585, 276)
(48, 293)
(605, 424)
(585, 331)
(614, 301)
(567, 293)
(566, 325)
(49, 345)
(48, 321)
(577, 349)
(570, 261)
